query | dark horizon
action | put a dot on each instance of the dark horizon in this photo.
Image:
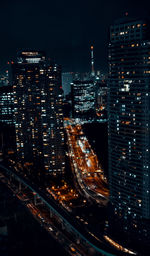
(63, 30)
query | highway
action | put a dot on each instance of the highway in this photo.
(85, 165)
(99, 245)
(42, 216)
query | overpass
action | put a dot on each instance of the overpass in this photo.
(92, 244)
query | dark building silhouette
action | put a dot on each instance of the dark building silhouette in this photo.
(66, 82)
(101, 101)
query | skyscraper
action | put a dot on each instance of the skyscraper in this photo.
(129, 120)
(7, 127)
(38, 111)
(6, 105)
(83, 100)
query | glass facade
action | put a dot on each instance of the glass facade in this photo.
(83, 100)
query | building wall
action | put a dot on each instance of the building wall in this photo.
(38, 112)
(128, 109)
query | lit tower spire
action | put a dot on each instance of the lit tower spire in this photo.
(92, 61)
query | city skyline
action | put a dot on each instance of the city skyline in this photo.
(77, 160)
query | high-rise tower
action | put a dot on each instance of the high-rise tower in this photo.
(6, 105)
(38, 111)
(7, 126)
(83, 100)
(92, 61)
(129, 120)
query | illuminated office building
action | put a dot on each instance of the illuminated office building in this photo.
(6, 105)
(83, 100)
(38, 111)
(129, 120)
(7, 127)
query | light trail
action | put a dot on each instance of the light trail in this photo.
(118, 246)
(85, 163)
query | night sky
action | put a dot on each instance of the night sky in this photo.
(64, 29)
